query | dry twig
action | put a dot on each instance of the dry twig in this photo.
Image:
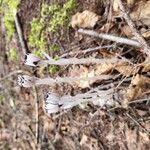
(11, 74)
(110, 37)
(132, 26)
(137, 123)
(20, 34)
(93, 49)
(36, 115)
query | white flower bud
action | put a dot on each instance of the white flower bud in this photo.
(31, 60)
(52, 98)
(26, 81)
(52, 103)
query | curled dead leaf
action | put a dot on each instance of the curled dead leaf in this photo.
(146, 35)
(130, 2)
(89, 143)
(142, 12)
(146, 65)
(86, 19)
(116, 5)
(125, 69)
(127, 31)
(104, 68)
(82, 72)
(136, 88)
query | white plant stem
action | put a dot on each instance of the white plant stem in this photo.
(71, 79)
(110, 37)
(27, 81)
(34, 61)
(76, 61)
(101, 98)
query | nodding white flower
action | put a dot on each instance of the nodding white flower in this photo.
(55, 103)
(101, 98)
(52, 102)
(26, 81)
(31, 60)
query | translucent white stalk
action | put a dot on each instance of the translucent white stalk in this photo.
(54, 103)
(28, 81)
(32, 60)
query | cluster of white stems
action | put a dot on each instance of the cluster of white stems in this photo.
(54, 102)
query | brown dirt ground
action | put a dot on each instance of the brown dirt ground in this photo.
(76, 129)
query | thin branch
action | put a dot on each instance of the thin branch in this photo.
(93, 49)
(32, 60)
(139, 100)
(110, 37)
(36, 115)
(137, 123)
(132, 26)
(11, 74)
(20, 34)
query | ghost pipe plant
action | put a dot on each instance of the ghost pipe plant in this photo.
(32, 60)
(28, 81)
(55, 103)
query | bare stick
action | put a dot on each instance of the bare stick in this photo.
(139, 101)
(110, 37)
(11, 74)
(93, 49)
(20, 34)
(134, 30)
(136, 122)
(36, 115)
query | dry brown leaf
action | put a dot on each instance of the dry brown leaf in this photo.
(5, 134)
(104, 68)
(136, 89)
(82, 72)
(142, 12)
(130, 2)
(146, 65)
(127, 31)
(89, 143)
(146, 35)
(131, 139)
(107, 27)
(125, 69)
(144, 137)
(116, 5)
(136, 139)
(86, 19)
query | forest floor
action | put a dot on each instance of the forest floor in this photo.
(24, 122)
